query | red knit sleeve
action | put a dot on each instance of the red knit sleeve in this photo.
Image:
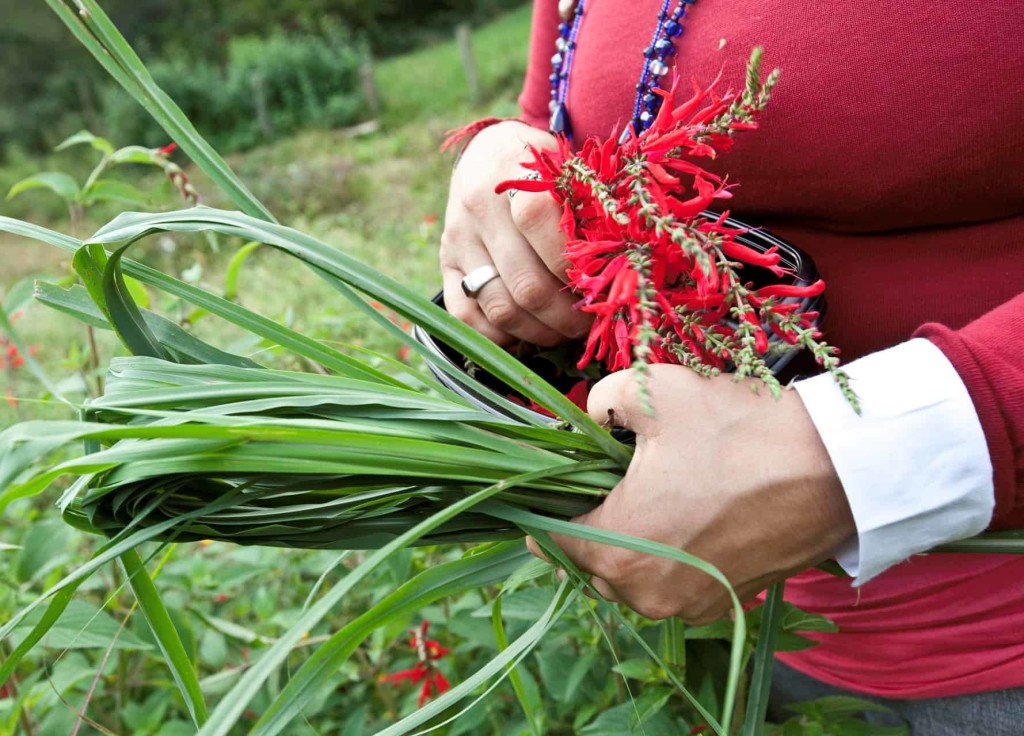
(989, 356)
(537, 87)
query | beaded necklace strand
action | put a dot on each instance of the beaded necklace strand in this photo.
(656, 56)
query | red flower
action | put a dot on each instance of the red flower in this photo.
(428, 652)
(664, 282)
(789, 290)
(168, 149)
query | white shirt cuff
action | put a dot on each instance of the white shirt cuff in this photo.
(914, 465)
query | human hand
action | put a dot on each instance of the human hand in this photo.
(519, 236)
(739, 479)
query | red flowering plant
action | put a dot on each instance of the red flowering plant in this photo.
(425, 671)
(12, 359)
(664, 280)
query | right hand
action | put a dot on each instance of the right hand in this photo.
(520, 237)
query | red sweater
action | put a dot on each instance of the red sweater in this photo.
(892, 153)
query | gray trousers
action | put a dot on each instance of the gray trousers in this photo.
(999, 713)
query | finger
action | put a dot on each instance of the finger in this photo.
(501, 310)
(593, 587)
(605, 589)
(533, 288)
(586, 555)
(721, 603)
(614, 401)
(468, 310)
(461, 251)
(538, 217)
(535, 550)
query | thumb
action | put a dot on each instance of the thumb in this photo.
(614, 401)
(582, 552)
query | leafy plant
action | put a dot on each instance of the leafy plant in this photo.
(98, 187)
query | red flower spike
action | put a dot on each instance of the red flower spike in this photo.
(791, 290)
(424, 693)
(642, 257)
(760, 341)
(465, 133)
(524, 185)
(427, 652)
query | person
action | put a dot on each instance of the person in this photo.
(890, 152)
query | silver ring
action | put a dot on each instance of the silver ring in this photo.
(477, 279)
(529, 176)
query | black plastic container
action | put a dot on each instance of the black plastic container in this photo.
(803, 272)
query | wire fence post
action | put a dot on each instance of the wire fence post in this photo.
(464, 41)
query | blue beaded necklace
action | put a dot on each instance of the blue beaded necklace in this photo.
(656, 57)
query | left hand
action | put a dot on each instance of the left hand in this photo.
(734, 477)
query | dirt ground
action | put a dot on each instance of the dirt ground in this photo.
(20, 257)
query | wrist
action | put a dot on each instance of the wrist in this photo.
(823, 504)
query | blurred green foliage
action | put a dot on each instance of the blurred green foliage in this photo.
(210, 54)
(269, 87)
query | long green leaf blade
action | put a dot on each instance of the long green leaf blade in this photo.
(166, 635)
(764, 659)
(189, 348)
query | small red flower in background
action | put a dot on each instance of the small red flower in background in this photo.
(403, 350)
(178, 178)
(428, 652)
(11, 357)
